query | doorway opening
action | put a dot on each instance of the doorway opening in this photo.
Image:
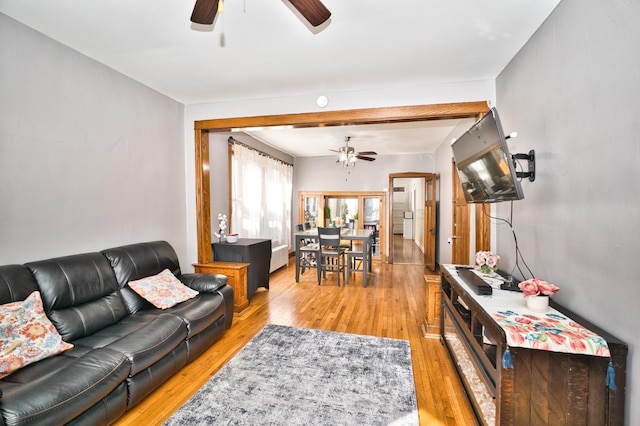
(412, 219)
(317, 119)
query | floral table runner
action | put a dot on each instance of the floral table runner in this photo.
(550, 331)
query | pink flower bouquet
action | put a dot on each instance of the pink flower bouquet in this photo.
(487, 261)
(537, 287)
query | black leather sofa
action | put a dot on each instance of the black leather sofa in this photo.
(124, 347)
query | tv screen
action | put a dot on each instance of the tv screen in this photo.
(485, 167)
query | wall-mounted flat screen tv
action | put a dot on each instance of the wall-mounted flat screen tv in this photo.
(485, 166)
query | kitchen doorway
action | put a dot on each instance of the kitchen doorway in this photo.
(412, 219)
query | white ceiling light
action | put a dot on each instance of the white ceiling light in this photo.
(322, 101)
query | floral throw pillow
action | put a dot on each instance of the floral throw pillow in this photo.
(163, 290)
(26, 335)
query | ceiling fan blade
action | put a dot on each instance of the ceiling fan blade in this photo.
(333, 150)
(313, 11)
(360, 157)
(368, 153)
(204, 12)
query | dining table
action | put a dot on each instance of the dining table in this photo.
(350, 234)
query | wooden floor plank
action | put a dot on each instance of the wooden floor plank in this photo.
(392, 305)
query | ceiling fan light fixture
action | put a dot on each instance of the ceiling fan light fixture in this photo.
(347, 157)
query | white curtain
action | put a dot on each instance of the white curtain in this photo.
(261, 191)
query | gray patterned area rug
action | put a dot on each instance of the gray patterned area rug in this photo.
(298, 376)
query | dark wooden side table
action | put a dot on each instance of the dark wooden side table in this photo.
(256, 252)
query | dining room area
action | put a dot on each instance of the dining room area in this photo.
(339, 237)
(341, 251)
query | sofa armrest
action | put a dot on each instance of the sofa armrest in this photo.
(207, 283)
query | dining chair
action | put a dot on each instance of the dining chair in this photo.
(375, 238)
(307, 227)
(354, 259)
(347, 244)
(309, 252)
(332, 256)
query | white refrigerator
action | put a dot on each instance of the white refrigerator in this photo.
(407, 226)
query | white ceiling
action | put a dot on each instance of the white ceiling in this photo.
(261, 49)
(384, 139)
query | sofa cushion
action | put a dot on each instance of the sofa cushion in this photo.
(135, 261)
(197, 313)
(26, 335)
(107, 410)
(144, 340)
(58, 389)
(163, 290)
(80, 293)
(16, 283)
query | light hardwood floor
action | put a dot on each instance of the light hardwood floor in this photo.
(392, 305)
(406, 251)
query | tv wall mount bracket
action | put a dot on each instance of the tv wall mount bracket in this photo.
(531, 161)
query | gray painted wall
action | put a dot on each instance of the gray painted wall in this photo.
(89, 158)
(572, 95)
(323, 174)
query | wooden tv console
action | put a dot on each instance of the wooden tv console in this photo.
(543, 387)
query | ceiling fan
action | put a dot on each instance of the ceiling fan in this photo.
(347, 155)
(204, 11)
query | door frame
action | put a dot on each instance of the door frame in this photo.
(426, 225)
(460, 222)
(313, 119)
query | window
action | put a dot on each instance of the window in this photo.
(261, 192)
